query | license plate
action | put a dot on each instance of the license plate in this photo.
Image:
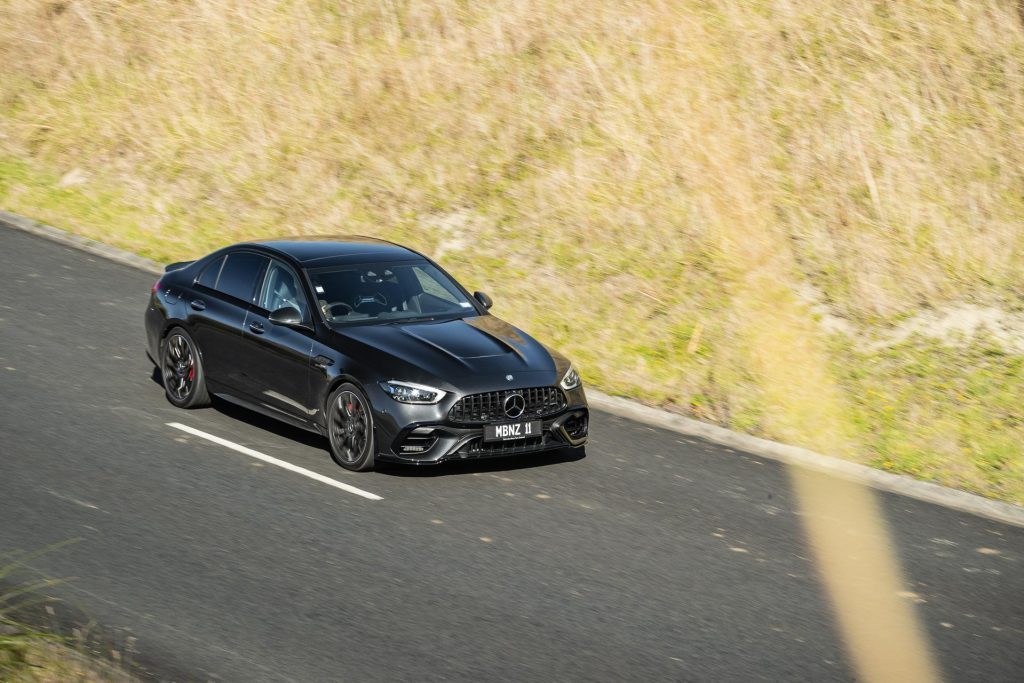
(512, 430)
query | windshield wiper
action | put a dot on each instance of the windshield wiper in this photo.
(396, 321)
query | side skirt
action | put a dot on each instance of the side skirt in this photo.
(271, 413)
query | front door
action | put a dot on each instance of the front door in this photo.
(277, 356)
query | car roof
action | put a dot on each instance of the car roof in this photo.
(333, 249)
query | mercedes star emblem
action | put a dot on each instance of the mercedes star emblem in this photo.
(515, 405)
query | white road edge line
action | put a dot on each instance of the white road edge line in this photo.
(274, 461)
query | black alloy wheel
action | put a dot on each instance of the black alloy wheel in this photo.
(182, 371)
(350, 428)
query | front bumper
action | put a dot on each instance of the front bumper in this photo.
(437, 443)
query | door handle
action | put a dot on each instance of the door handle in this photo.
(322, 362)
(198, 304)
(256, 326)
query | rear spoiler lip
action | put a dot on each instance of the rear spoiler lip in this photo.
(177, 265)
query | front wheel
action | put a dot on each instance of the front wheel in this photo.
(182, 371)
(350, 428)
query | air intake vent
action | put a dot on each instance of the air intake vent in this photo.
(576, 426)
(419, 440)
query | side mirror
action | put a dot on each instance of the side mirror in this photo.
(289, 317)
(483, 299)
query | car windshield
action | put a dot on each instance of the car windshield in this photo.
(381, 292)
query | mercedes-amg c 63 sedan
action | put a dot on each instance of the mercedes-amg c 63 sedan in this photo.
(366, 342)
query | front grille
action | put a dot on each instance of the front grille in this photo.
(541, 402)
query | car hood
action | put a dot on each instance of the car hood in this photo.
(467, 353)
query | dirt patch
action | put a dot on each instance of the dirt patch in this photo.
(954, 324)
(453, 229)
(958, 323)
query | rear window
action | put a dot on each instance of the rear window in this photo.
(239, 274)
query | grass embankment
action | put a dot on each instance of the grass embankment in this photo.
(679, 195)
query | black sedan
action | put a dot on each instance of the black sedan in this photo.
(366, 342)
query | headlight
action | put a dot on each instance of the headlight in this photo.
(571, 380)
(407, 392)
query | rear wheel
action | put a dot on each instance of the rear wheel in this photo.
(350, 428)
(182, 371)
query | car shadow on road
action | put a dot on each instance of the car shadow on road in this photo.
(457, 467)
(254, 419)
(473, 466)
(453, 468)
(269, 424)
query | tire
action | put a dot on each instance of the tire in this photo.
(350, 428)
(181, 369)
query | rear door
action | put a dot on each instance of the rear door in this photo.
(277, 357)
(221, 298)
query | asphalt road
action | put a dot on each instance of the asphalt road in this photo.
(655, 557)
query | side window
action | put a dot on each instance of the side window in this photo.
(281, 288)
(239, 274)
(209, 276)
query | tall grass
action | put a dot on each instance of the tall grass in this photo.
(18, 639)
(659, 188)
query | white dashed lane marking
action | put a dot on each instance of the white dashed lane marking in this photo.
(274, 461)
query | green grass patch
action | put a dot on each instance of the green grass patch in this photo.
(950, 414)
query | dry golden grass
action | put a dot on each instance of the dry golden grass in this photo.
(636, 171)
(51, 662)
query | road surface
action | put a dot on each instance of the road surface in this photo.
(654, 557)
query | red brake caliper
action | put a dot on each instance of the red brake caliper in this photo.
(192, 372)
